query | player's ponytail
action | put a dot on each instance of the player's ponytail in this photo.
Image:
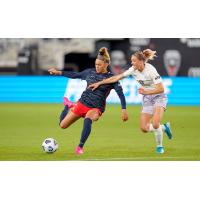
(145, 55)
(104, 55)
(149, 54)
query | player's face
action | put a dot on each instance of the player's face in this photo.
(101, 66)
(138, 64)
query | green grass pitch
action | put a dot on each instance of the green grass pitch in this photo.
(25, 126)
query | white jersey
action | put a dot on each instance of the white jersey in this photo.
(147, 78)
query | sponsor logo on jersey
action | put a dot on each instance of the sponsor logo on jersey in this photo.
(157, 77)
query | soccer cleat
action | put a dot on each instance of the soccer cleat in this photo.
(160, 150)
(79, 150)
(168, 130)
(68, 103)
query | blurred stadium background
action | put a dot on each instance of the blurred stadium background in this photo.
(24, 79)
(26, 56)
(22, 58)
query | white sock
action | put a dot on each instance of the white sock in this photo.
(158, 134)
(152, 129)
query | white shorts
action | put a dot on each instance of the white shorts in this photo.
(153, 100)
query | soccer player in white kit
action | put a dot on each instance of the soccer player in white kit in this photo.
(152, 89)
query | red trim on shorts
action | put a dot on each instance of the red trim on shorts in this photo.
(81, 110)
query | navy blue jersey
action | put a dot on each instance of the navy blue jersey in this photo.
(96, 98)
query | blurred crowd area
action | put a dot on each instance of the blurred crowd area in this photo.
(34, 56)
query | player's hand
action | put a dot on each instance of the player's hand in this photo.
(142, 91)
(54, 71)
(94, 86)
(124, 115)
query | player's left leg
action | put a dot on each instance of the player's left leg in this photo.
(92, 115)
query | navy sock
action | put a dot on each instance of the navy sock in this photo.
(86, 131)
(64, 113)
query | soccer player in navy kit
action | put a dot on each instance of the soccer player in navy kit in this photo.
(92, 104)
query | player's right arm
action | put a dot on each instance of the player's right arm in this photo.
(112, 79)
(69, 74)
(54, 71)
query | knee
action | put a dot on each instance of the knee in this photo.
(92, 116)
(156, 125)
(143, 129)
(95, 118)
(63, 126)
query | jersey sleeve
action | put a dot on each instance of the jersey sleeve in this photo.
(155, 76)
(118, 88)
(81, 75)
(128, 72)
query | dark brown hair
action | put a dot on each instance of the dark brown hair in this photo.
(104, 55)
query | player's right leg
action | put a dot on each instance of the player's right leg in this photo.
(146, 113)
(69, 119)
(67, 105)
(145, 119)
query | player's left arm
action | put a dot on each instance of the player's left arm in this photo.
(119, 91)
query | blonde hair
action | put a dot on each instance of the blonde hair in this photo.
(145, 55)
(104, 55)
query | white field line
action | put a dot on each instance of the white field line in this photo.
(123, 159)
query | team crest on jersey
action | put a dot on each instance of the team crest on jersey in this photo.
(172, 61)
(141, 82)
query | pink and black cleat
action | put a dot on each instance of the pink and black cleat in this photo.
(68, 103)
(79, 150)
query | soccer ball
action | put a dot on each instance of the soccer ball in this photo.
(49, 145)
